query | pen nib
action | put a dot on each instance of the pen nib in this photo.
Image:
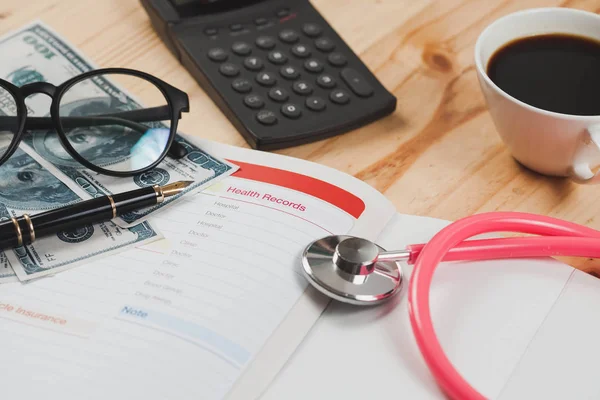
(174, 188)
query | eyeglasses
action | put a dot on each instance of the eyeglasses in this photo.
(94, 124)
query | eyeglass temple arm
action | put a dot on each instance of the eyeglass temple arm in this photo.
(129, 119)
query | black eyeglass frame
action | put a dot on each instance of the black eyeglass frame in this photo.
(177, 101)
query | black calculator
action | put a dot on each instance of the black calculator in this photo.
(275, 68)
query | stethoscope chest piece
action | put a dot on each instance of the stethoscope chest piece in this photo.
(346, 268)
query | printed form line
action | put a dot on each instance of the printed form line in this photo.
(252, 226)
(234, 286)
(256, 216)
(285, 212)
(248, 225)
(242, 262)
(276, 209)
(230, 284)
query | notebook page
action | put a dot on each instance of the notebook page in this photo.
(485, 315)
(185, 317)
(561, 362)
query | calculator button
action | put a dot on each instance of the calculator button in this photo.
(278, 94)
(313, 65)
(241, 48)
(301, 50)
(302, 87)
(253, 63)
(356, 82)
(277, 57)
(284, 12)
(229, 69)
(266, 79)
(236, 27)
(289, 36)
(254, 101)
(326, 81)
(325, 44)
(337, 59)
(339, 96)
(265, 42)
(241, 85)
(315, 103)
(211, 31)
(261, 21)
(217, 54)
(289, 72)
(312, 30)
(266, 117)
(291, 110)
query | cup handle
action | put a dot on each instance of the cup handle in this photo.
(587, 156)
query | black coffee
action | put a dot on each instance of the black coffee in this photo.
(555, 72)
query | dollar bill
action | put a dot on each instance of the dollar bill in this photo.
(27, 187)
(39, 54)
(66, 250)
(7, 274)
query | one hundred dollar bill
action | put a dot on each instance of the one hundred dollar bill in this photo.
(66, 250)
(7, 274)
(39, 54)
(27, 187)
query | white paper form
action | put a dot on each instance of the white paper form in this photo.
(561, 362)
(180, 318)
(485, 314)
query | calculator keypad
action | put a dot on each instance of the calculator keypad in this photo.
(337, 59)
(229, 69)
(278, 94)
(266, 117)
(261, 21)
(291, 110)
(289, 73)
(253, 63)
(340, 96)
(265, 42)
(279, 72)
(277, 57)
(301, 50)
(326, 81)
(325, 44)
(302, 87)
(254, 101)
(241, 48)
(266, 78)
(315, 103)
(241, 85)
(218, 54)
(356, 83)
(289, 36)
(312, 30)
(313, 65)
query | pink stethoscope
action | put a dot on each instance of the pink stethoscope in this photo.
(357, 271)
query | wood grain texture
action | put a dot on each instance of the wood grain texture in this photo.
(438, 155)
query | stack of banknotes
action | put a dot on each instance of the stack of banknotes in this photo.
(31, 182)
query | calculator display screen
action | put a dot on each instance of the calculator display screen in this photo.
(190, 8)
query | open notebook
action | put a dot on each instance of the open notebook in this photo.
(219, 307)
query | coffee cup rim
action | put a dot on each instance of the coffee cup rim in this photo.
(484, 75)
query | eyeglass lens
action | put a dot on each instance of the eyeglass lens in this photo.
(9, 124)
(107, 128)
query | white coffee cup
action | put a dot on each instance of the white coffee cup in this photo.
(547, 142)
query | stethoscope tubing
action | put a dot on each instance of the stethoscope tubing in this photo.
(562, 238)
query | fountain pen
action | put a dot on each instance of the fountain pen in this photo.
(23, 230)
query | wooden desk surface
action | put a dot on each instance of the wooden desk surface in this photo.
(438, 155)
